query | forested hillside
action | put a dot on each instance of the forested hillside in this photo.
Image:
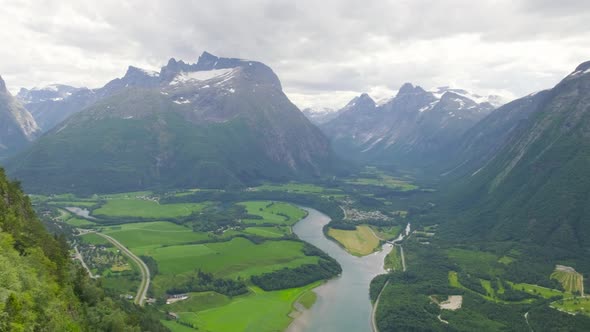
(41, 289)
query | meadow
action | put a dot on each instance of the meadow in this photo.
(237, 257)
(141, 208)
(359, 242)
(257, 311)
(273, 213)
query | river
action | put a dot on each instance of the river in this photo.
(342, 303)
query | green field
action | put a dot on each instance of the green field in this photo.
(393, 260)
(373, 177)
(271, 232)
(571, 280)
(359, 242)
(95, 239)
(273, 213)
(576, 305)
(141, 237)
(258, 311)
(474, 261)
(72, 220)
(387, 232)
(146, 209)
(238, 257)
(303, 188)
(537, 290)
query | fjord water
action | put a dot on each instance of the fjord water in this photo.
(342, 303)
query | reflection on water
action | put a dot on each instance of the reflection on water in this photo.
(343, 303)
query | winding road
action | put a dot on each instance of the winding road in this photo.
(145, 272)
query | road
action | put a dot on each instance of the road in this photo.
(81, 259)
(373, 321)
(145, 272)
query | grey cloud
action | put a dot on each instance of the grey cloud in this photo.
(344, 46)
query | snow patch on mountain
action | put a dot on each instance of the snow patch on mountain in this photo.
(185, 77)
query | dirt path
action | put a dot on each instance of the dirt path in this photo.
(145, 272)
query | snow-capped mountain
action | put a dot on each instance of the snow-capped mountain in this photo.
(320, 115)
(409, 126)
(215, 123)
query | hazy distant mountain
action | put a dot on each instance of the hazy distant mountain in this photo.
(523, 170)
(53, 104)
(320, 115)
(410, 127)
(17, 126)
(218, 122)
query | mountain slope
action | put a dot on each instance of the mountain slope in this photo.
(17, 126)
(531, 183)
(408, 130)
(55, 103)
(215, 123)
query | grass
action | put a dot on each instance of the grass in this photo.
(95, 239)
(474, 261)
(273, 213)
(79, 222)
(308, 299)
(175, 327)
(393, 260)
(571, 280)
(73, 203)
(258, 311)
(272, 232)
(199, 301)
(537, 290)
(387, 232)
(380, 179)
(146, 209)
(141, 237)
(359, 242)
(304, 188)
(506, 260)
(576, 305)
(237, 257)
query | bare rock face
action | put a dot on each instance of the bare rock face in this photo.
(17, 126)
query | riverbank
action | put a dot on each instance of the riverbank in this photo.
(342, 303)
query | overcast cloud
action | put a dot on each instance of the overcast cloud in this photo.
(325, 52)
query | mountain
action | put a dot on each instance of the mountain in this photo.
(524, 170)
(320, 116)
(216, 123)
(53, 104)
(408, 129)
(17, 126)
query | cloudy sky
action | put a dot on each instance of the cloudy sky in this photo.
(325, 52)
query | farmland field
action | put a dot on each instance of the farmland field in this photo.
(238, 257)
(359, 242)
(273, 213)
(571, 280)
(150, 234)
(146, 209)
(257, 311)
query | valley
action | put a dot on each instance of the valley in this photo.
(233, 253)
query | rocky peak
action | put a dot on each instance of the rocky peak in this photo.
(410, 89)
(584, 66)
(2, 86)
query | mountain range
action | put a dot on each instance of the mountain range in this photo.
(413, 126)
(217, 122)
